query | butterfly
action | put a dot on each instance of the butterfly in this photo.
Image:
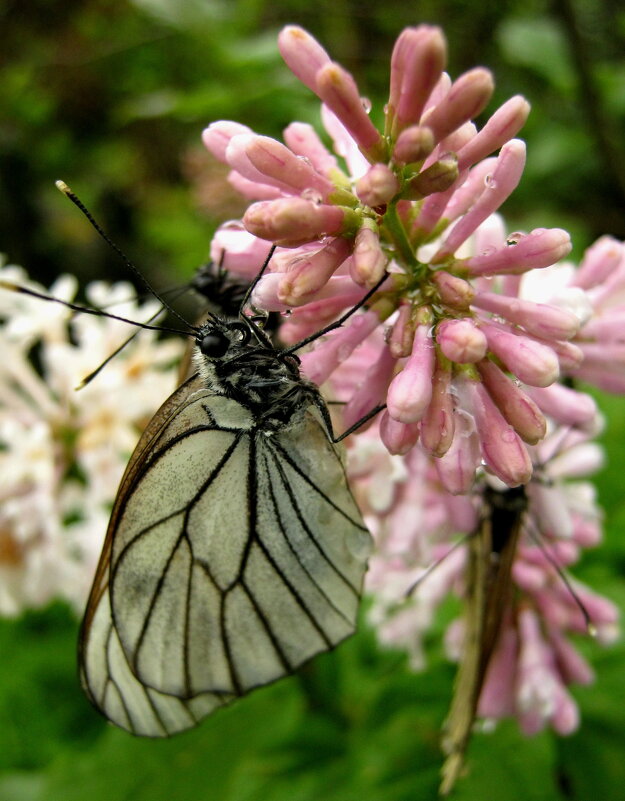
(235, 550)
(492, 549)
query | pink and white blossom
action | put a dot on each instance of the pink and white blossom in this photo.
(415, 199)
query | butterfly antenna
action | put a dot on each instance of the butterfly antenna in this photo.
(338, 323)
(22, 290)
(590, 626)
(64, 188)
(251, 321)
(431, 568)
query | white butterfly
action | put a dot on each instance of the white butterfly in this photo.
(235, 551)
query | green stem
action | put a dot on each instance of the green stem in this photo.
(397, 232)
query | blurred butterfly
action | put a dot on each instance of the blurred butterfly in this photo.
(489, 588)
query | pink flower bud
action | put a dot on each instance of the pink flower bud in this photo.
(436, 178)
(327, 303)
(369, 260)
(401, 337)
(265, 295)
(338, 90)
(437, 425)
(533, 363)
(242, 252)
(468, 96)
(604, 353)
(550, 510)
(276, 165)
(502, 448)
(540, 248)
(572, 666)
(456, 468)
(603, 378)
(566, 406)
(378, 186)
(467, 193)
(318, 364)
(453, 143)
(417, 62)
(398, 438)
(304, 141)
(431, 211)
(461, 341)
(454, 292)
(410, 391)
(570, 356)
(505, 123)
(610, 327)
(372, 390)
(217, 136)
(413, 145)
(519, 410)
(253, 190)
(302, 53)
(505, 178)
(294, 221)
(578, 461)
(599, 262)
(311, 272)
(539, 319)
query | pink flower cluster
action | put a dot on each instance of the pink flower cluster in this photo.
(416, 202)
(464, 341)
(416, 521)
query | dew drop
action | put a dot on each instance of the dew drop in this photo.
(508, 435)
(359, 544)
(313, 195)
(514, 238)
(487, 179)
(305, 160)
(366, 104)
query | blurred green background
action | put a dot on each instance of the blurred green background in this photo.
(112, 96)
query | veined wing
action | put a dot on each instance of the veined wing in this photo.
(113, 688)
(104, 670)
(238, 553)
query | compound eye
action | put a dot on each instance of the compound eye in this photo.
(214, 345)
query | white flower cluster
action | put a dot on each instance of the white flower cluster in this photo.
(63, 450)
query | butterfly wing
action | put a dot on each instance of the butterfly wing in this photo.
(233, 555)
(104, 671)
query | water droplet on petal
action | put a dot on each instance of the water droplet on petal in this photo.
(313, 195)
(366, 104)
(305, 160)
(514, 238)
(487, 179)
(508, 435)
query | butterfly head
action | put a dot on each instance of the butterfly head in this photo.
(218, 338)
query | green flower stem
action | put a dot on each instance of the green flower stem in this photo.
(397, 232)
